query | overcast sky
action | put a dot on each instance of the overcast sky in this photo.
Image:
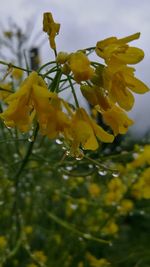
(83, 23)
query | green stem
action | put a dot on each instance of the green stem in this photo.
(25, 160)
(14, 66)
(54, 86)
(76, 231)
(45, 65)
(73, 92)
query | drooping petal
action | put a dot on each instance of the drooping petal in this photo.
(133, 55)
(136, 85)
(117, 119)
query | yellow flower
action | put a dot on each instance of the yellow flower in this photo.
(17, 74)
(117, 119)
(62, 57)
(116, 190)
(28, 229)
(80, 66)
(80, 264)
(3, 242)
(51, 28)
(143, 158)
(5, 91)
(94, 262)
(83, 131)
(111, 228)
(95, 96)
(19, 113)
(48, 106)
(120, 50)
(118, 79)
(141, 189)
(33, 98)
(94, 190)
(40, 256)
(125, 206)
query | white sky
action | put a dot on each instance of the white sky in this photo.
(84, 22)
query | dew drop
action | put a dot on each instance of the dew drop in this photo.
(88, 236)
(142, 212)
(80, 155)
(1, 203)
(65, 177)
(59, 142)
(31, 139)
(135, 155)
(38, 188)
(74, 206)
(90, 166)
(69, 168)
(102, 172)
(115, 174)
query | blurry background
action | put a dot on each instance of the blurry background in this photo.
(83, 23)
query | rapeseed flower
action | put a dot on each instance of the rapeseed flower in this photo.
(20, 110)
(84, 132)
(17, 74)
(141, 189)
(33, 99)
(142, 158)
(119, 49)
(51, 28)
(116, 190)
(95, 95)
(5, 90)
(40, 256)
(3, 242)
(94, 262)
(80, 66)
(111, 228)
(125, 206)
(119, 81)
(94, 190)
(117, 119)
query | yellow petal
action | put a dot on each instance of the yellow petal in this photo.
(130, 38)
(132, 55)
(102, 135)
(136, 85)
(123, 97)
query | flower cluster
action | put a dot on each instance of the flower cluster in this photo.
(107, 88)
